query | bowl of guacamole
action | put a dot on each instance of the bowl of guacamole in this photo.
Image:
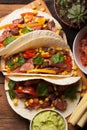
(48, 120)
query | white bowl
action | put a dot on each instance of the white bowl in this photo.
(47, 119)
(76, 51)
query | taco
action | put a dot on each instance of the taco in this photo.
(28, 97)
(23, 21)
(42, 57)
(21, 43)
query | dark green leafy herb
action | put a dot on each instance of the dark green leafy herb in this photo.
(8, 40)
(11, 84)
(57, 58)
(71, 92)
(11, 94)
(42, 89)
(11, 64)
(38, 60)
(20, 61)
(26, 30)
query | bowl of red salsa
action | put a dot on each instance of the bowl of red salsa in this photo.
(80, 49)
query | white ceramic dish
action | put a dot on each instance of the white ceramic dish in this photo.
(76, 52)
(44, 117)
(28, 114)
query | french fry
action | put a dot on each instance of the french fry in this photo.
(79, 111)
(83, 120)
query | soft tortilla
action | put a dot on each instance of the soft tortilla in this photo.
(36, 43)
(58, 81)
(16, 14)
(41, 36)
(27, 114)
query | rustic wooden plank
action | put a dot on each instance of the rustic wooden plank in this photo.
(8, 8)
(1, 78)
(11, 7)
(5, 109)
(14, 124)
(11, 120)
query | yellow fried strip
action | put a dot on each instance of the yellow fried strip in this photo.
(5, 26)
(42, 71)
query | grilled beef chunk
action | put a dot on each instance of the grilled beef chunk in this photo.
(45, 104)
(4, 35)
(18, 21)
(50, 24)
(2, 38)
(15, 31)
(26, 67)
(46, 64)
(51, 50)
(60, 104)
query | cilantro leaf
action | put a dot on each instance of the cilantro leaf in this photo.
(42, 89)
(11, 84)
(38, 60)
(11, 94)
(20, 61)
(57, 58)
(71, 92)
(11, 64)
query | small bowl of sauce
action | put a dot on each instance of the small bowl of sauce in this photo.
(80, 49)
(48, 120)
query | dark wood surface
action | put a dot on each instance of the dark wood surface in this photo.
(9, 120)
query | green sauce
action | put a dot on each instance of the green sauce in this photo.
(48, 120)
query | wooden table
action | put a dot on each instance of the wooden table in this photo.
(9, 120)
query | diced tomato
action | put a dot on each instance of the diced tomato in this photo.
(27, 90)
(28, 51)
(13, 26)
(28, 13)
(1, 44)
(29, 54)
(83, 60)
(68, 61)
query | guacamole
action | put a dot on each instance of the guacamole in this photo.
(48, 120)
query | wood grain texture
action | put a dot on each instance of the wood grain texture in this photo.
(9, 120)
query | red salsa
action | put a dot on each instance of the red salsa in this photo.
(83, 50)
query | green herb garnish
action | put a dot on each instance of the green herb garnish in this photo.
(71, 92)
(20, 61)
(11, 84)
(11, 64)
(42, 89)
(8, 40)
(26, 30)
(11, 94)
(57, 58)
(38, 60)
